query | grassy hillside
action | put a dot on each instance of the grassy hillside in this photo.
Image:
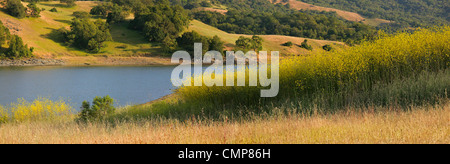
(41, 32)
(271, 42)
(414, 13)
(128, 46)
(347, 15)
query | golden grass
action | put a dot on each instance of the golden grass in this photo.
(222, 11)
(421, 125)
(347, 15)
(40, 33)
(270, 42)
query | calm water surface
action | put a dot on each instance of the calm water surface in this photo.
(126, 84)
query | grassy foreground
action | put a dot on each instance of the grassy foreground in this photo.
(420, 125)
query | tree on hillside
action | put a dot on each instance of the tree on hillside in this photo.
(305, 45)
(81, 14)
(159, 21)
(117, 14)
(102, 9)
(216, 44)
(17, 49)
(327, 47)
(187, 40)
(245, 44)
(256, 43)
(34, 10)
(4, 34)
(87, 34)
(288, 44)
(53, 10)
(169, 44)
(69, 3)
(15, 8)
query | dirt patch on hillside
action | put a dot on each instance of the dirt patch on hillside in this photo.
(222, 11)
(351, 16)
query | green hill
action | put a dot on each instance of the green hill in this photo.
(128, 46)
(40, 33)
(412, 13)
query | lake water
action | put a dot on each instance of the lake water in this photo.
(126, 84)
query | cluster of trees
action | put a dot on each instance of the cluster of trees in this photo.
(69, 3)
(413, 13)
(305, 45)
(253, 6)
(161, 23)
(87, 34)
(192, 4)
(16, 9)
(16, 49)
(113, 13)
(34, 10)
(101, 108)
(245, 44)
(318, 26)
(187, 40)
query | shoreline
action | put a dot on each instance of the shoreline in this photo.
(88, 61)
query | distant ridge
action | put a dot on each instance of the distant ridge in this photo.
(347, 15)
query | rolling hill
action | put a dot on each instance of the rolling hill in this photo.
(128, 46)
(412, 13)
(271, 42)
(347, 15)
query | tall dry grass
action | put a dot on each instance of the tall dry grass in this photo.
(378, 125)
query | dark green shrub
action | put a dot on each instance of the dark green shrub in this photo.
(53, 10)
(100, 108)
(87, 34)
(15, 8)
(4, 34)
(34, 10)
(81, 14)
(205, 4)
(118, 14)
(102, 9)
(288, 44)
(69, 3)
(17, 49)
(305, 45)
(245, 44)
(327, 47)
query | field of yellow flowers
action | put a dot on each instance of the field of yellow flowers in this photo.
(41, 109)
(355, 76)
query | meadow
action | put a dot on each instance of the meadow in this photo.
(391, 90)
(421, 125)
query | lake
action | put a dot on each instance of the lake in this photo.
(128, 85)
